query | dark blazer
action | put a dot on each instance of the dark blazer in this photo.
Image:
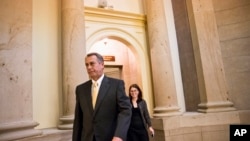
(142, 105)
(111, 116)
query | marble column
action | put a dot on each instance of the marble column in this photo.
(211, 76)
(16, 113)
(74, 51)
(165, 92)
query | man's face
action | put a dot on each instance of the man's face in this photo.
(94, 68)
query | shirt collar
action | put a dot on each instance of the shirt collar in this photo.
(99, 81)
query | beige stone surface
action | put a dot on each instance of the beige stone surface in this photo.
(233, 27)
(166, 102)
(52, 134)
(198, 126)
(73, 44)
(16, 119)
(211, 76)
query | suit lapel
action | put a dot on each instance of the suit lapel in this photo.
(102, 92)
(89, 95)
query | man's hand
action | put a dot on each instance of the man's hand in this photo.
(116, 139)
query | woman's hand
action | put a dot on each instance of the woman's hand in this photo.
(151, 130)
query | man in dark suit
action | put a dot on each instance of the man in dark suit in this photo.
(109, 118)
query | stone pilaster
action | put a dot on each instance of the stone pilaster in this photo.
(211, 76)
(16, 114)
(73, 44)
(165, 92)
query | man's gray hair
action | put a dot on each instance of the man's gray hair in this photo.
(99, 56)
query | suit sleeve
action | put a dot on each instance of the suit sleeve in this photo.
(146, 114)
(125, 113)
(77, 126)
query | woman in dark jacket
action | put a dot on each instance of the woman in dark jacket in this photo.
(140, 120)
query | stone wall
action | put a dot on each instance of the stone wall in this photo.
(16, 113)
(187, 61)
(233, 20)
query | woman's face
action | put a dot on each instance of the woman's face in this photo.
(134, 92)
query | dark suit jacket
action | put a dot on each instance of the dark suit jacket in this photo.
(144, 114)
(111, 116)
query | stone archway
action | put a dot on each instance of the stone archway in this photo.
(128, 29)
